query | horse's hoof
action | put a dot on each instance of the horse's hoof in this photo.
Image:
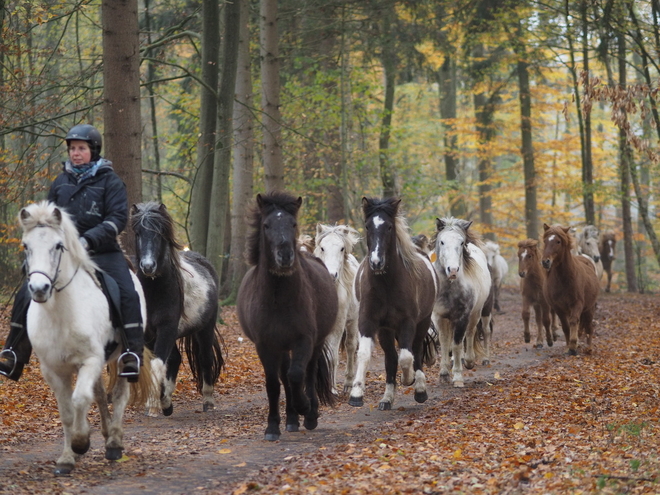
(80, 448)
(528, 339)
(485, 362)
(311, 423)
(168, 410)
(469, 365)
(385, 406)
(550, 343)
(421, 397)
(113, 453)
(538, 346)
(272, 437)
(459, 384)
(208, 406)
(63, 469)
(355, 401)
(572, 352)
(443, 378)
(292, 428)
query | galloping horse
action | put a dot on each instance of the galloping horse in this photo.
(499, 269)
(396, 286)
(532, 280)
(287, 305)
(181, 290)
(587, 241)
(464, 288)
(571, 287)
(334, 246)
(71, 332)
(607, 249)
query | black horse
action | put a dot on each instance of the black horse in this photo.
(396, 286)
(181, 291)
(287, 305)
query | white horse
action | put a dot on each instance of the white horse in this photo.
(464, 286)
(334, 245)
(70, 329)
(587, 245)
(499, 268)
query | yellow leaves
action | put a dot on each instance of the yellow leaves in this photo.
(434, 57)
(224, 451)
(519, 425)
(458, 454)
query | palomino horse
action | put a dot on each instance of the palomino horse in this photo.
(532, 280)
(571, 287)
(181, 290)
(587, 244)
(71, 332)
(464, 288)
(396, 286)
(287, 305)
(607, 249)
(334, 246)
(499, 269)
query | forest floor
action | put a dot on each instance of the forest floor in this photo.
(533, 421)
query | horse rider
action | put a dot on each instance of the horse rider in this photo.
(93, 194)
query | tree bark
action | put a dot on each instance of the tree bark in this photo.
(200, 198)
(215, 247)
(587, 164)
(527, 151)
(270, 97)
(121, 109)
(156, 189)
(389, 67)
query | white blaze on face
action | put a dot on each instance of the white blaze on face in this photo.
(523, 255)
(551, 238)
(378, 223)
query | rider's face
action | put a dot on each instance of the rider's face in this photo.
(79, 152)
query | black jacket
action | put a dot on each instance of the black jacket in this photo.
(98, 205)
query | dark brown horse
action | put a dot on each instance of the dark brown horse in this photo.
(287, 305)
(607, 248)
(396, 287)
(571, 287)
(532, 280)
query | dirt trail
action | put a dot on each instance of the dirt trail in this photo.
(192, 451)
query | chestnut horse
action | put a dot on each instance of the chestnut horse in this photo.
(571, 287)
(532, 280)
(607, 248)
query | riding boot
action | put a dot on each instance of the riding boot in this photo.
(17, 349)
(131, 359)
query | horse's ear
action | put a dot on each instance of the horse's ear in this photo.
(299, 202)
(134, 209)
(545, 226)
(260, 201)
(24, 214)
(465, 225)
(319, 228)
(162, 208)
(439, 224)
(396, 203)
(57, 214)
(365, 201)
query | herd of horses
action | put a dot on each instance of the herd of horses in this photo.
(300, 302)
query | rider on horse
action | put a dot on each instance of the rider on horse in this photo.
(94, 195)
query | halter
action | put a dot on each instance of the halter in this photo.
(53, 280)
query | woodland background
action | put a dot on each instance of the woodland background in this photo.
(511, 113)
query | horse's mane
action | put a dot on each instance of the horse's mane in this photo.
(43, 214)
(564, 233)
(463, 228)
(532, 245)
(154, 217)
(350, 237)
(405, 247)
(262, 207)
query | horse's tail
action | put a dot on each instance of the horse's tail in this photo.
(324, 378)
(431, 346)
(145, 389)
(193, 350)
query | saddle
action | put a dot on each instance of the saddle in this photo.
(111, 291)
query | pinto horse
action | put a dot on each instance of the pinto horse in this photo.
(334, 246)
(70, 329)
(499, 269)
(571, 287)
(607, 249)
(464, 289)
(396, 286)
(587, 241)
(532, 280)
(181, 290)
(287, 305)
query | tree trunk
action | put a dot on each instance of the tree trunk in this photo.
(527, 151)
(156, 189)
(389, 66)
(215, 247)
(121, 110)
(243, 156)
(270, 98)
(200, 198)
(587, 164)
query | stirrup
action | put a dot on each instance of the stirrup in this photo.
(12, 356)
(120, 364)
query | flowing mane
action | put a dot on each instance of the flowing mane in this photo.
(45, 214)
(151, 216)
(272, 201)
(350, 237)
(471, 237)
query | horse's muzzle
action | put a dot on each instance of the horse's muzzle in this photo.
(41, 294)
(148, 267)
(546, 263)
(522, 274)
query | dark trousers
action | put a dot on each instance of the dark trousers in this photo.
(113, 264)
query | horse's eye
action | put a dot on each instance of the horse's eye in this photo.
(266, 226)
(442, 242)
(342, 250)
(323, 249)
(59, 245)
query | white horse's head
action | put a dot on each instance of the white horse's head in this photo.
(53, 251)
(334, 244)
(491, 250)
(451, 246)
(589, 246)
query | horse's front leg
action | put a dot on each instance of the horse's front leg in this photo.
(169, 383)
(386, 339)
(312, 417)
(351, 345)
(538, 316)
(526, 314)
(485, 324)
(445, 333)
(333, 342)
(271, 363)
(292, 419)
(165, 364)
(83, 394)
(460, 330)
(421, 395)
(114, 442)
(406, 358)
(365, 346)
(301, 353)
(471, 334)
(61, 387)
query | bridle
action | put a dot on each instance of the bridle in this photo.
(53, 280)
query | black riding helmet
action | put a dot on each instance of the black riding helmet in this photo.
(89, 134)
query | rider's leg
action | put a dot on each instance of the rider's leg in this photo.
(17, 349)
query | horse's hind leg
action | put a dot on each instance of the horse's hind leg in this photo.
(350, 345)
(208, 362)
(538, 315)
(114, 442)
(421, 395)
(300, 357)
(443, 325)
(312, 416)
